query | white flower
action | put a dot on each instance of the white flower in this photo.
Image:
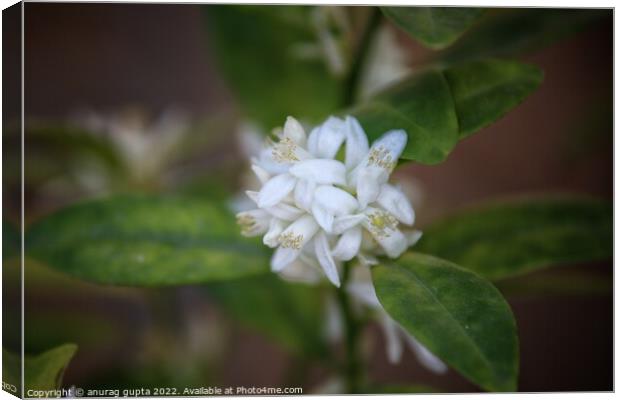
(362, 290)
(329, 210)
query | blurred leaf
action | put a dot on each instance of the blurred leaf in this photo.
(460, 317)
(59, 148)
(11, 240)
(484, 91)
(504, 240)
(289, 313)
(423, 107)
(261, 63)
(146, 241)
(510, 32)
(435, 27)
(45, 371)
(41, 372)
(437, 108)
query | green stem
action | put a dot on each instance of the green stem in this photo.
(359, 57)
(353, 366)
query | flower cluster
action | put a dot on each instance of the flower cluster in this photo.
(325, 197)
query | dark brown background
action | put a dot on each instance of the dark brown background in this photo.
(104, 56)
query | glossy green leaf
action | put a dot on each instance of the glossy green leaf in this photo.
(484, 91)
(504, 240)
(11, 239)
(435, 27)
(41, 372)
(423, 107)
(437, 108)
(146, 241)
(511, 32)
(460, 317)
(258, 51)
(291, 314)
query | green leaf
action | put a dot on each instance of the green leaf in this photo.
(435, 27)
(146, 241)
(291, 314)
(56, 149)
(503, 240)
(41, 372)
(423, 107)
(262, 64)
(11, 239)
(437, 108)
(511, 32)
(44, 372)
(484, 91)
(460, 317)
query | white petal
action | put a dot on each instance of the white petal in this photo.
(357, 143)
(299, 232)
(275, 190)
(348, 245)
(394, 244)
(253, 222)
(394, 346)
(345, 222)
(294, 130)
(369, 184)
(362, 288)
(388, 148)
(281, 210)
(304, 194)
(313, 141)
(320, 171)
(384, 229)
(265, 161)
(331, 135)
(262, 175)
(253, 195)
(284, 211)
(412, 236)
(283, 257)
(276, 227)
(396, 203)
(335, 201)
(323, 217)
(323, 254)
(300, 271)
(424, 356)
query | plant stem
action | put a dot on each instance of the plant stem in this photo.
(359, 57)
(353, 363)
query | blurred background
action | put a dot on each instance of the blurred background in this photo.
(134, 98)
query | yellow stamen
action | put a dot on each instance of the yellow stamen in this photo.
(290, 240)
